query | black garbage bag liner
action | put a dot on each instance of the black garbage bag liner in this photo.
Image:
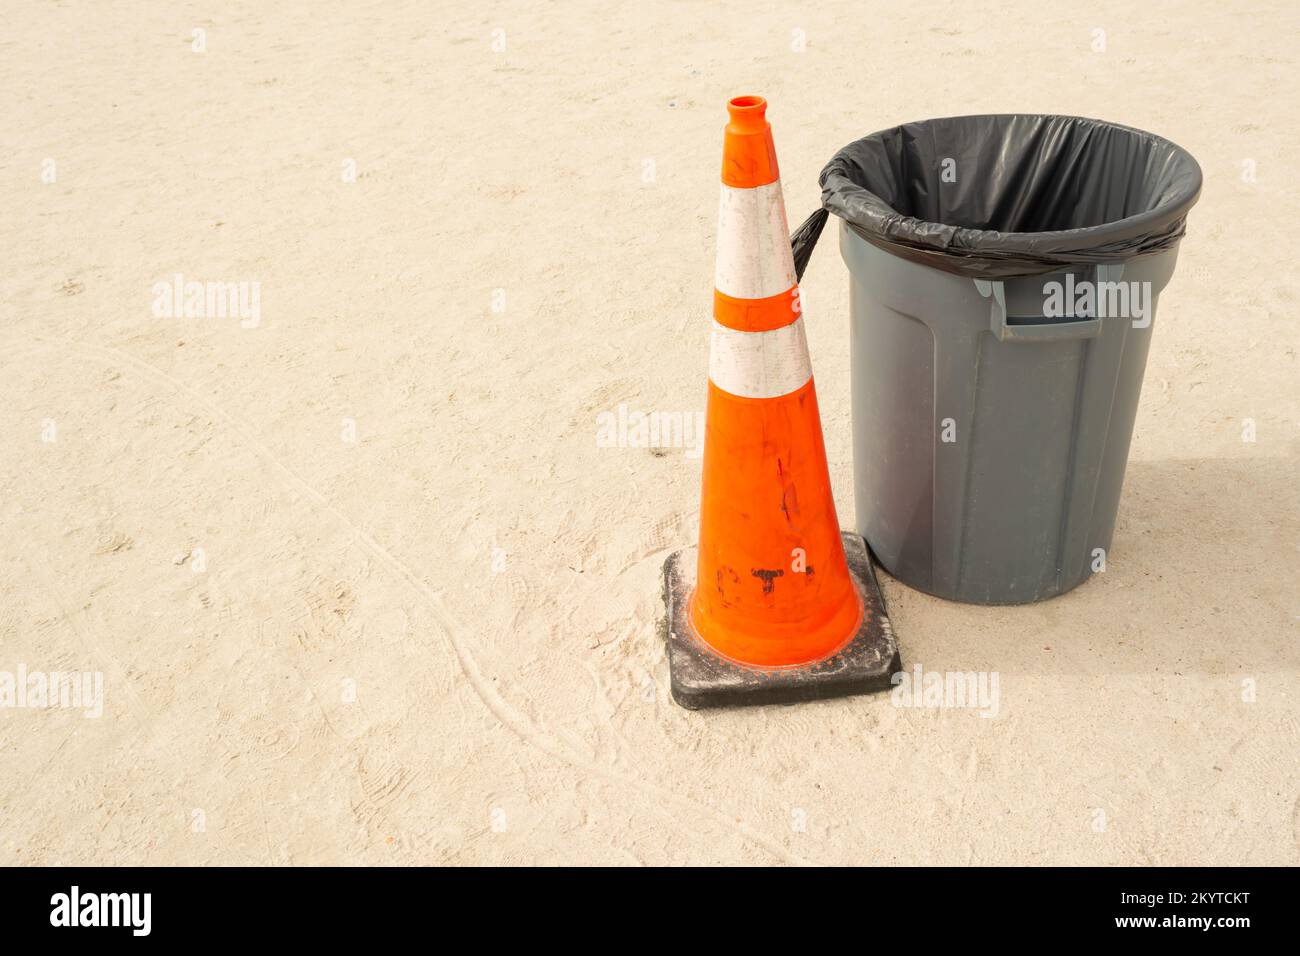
(1008, 195)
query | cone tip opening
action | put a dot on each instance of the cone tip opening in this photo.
(748, 113)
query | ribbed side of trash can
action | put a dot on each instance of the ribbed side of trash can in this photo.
(990, 441)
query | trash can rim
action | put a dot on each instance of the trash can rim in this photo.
(1170, 208)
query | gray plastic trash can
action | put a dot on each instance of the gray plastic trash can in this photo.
(994, 396)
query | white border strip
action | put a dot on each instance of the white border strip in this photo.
(759, 364)
(754, 258)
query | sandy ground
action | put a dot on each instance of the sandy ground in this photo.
(435, 643)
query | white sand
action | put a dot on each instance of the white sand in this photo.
(474, 566)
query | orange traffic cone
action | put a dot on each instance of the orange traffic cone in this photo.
(775, 605)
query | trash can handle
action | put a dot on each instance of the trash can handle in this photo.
(1081, 327)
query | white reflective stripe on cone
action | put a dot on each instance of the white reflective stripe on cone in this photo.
(759, 364)
(754, 258)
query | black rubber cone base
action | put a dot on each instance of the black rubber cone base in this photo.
(700, 678)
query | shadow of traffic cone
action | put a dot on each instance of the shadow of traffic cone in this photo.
(775, 605)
